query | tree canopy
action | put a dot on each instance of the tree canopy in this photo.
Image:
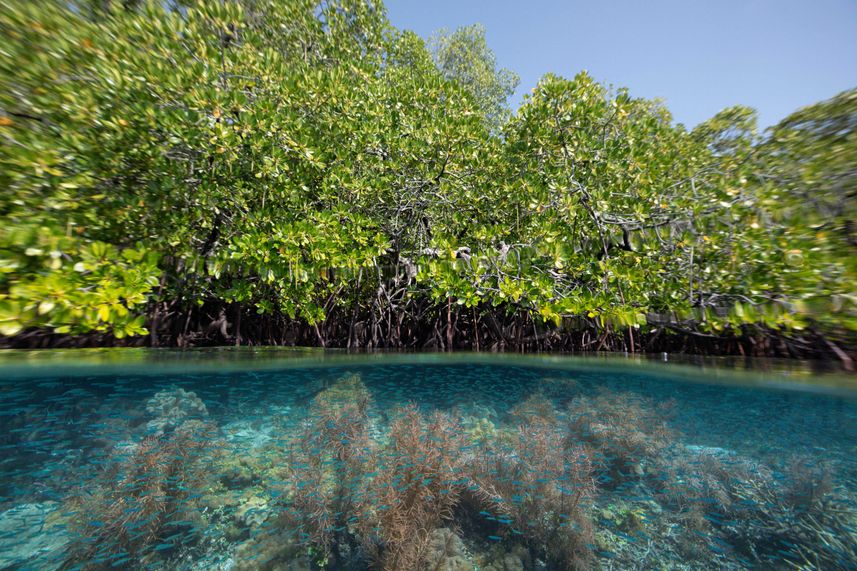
(463, 56)
(302, 164)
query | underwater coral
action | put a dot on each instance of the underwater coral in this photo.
(564, 476)
(329, 461)
(415, 489)
(145, 504)
(538, 492)
(629, 433)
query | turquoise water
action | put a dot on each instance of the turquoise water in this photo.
(305, 460)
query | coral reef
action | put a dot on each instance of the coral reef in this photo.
(516, 558)
(538, 491)
(329, 460)
(446, 552)
(447, 491)
(769, 518)
(272, 552)
(171, 408)
(629, 433)
(146, 503)
(536, 407)
(415, 489)
(336, 476)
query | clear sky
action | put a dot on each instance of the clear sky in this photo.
(698, 55)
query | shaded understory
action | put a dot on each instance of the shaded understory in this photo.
(448, 327)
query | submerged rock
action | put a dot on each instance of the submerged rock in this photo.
(32, 537)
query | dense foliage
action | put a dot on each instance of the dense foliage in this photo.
(174, 166)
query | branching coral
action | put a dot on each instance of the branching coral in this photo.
(330, 461)
(626, 431)
(535, 407)
(796, 517)
(146, 502)
(538, 490)
(415, 490)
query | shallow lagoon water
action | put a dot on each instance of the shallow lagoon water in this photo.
(303, 459)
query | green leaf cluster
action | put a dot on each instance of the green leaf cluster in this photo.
(303, 156)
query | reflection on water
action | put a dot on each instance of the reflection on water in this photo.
(412, 463)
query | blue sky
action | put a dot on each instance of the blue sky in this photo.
(698, 55)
